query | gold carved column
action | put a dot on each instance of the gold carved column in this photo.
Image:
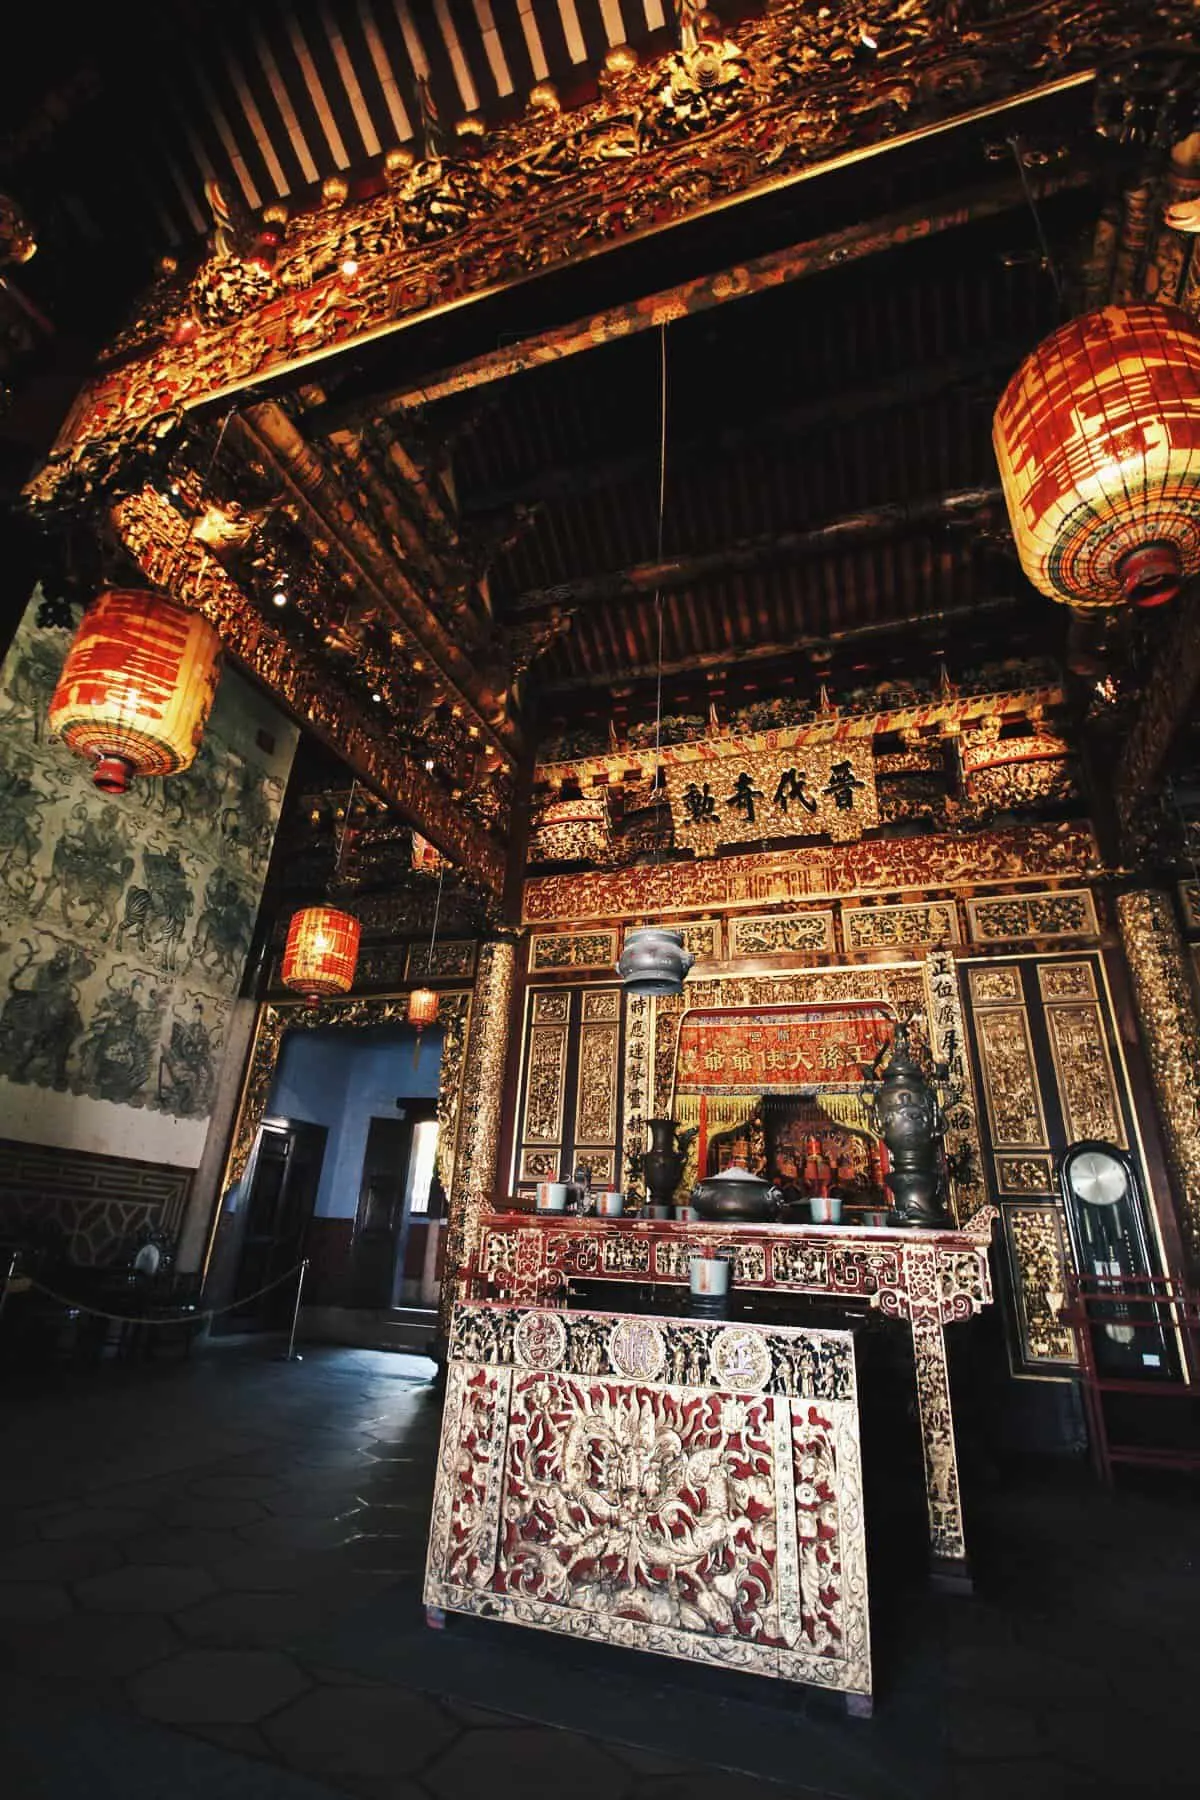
(1167, 1015)
(480, 1108)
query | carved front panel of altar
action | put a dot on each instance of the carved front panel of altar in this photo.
(688, 1488)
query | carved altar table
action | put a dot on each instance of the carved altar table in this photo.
(927, 1278)
(682, 1486)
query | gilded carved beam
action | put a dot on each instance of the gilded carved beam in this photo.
(1167, 698)
(162, 543)
(332, 514)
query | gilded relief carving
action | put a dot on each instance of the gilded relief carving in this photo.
(1025, 1174)
(750, 790)
(1009, 1077)
(1039, 1255)
(775, 933)
(601, 1161)
(544, 1080)
(995, 984)
(539, 1165)
(948, 1041)
(1067, 981)
(1167, 1015)
(451, 958)
(596, 1105)
(572, 949)
(1070, 912)
(551, 1006)
(601, 1005)
(897, 927)
(1083, 1071)
(482, 1093)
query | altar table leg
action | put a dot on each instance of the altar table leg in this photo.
(947, 1540)
(435, 1618)
(859, 1706)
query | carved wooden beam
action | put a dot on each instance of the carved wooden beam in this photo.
(988, 366)
(726, 658)
(1168, 695)
(161, 542)
(757, 276)
(331, 514)
(970, 507)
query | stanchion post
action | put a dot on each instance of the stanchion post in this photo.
(8, 1275)
(290, 1354)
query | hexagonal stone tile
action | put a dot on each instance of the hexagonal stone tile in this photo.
(234, 1687)
(533, 1760)
(235, 1487)
(89, 1647)
(33, 1600)
(350, 1731)
(95, 1521)
(202, 1548)
(215, 1515)
(145, 1588)
(72, 1561)
(237, 1619)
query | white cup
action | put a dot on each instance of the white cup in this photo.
(552, 1196)
(826, 1209)
(610, 1204)
(708, 1276)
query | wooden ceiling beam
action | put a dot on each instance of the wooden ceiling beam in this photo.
(758, 275)
(330, 514)
(967, 507)
(725, 658)
(991, 363)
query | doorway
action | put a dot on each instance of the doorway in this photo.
(396, 1231)
(279, 1206)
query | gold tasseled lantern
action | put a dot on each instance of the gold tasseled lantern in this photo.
(137, 687)
(321, 953)
(422, 1008)
(1098, 440)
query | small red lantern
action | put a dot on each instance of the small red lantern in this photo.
(422, 1008)
(137, 687)
(1098, 440)
(321, 953)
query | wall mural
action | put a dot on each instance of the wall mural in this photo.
(125, 924)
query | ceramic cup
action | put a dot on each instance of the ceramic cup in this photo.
(610, 1204)
(874, 1218)
(708, 1276)
(826, 1209)
(552, 1196)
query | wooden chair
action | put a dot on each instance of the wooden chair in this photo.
(1095, 1303)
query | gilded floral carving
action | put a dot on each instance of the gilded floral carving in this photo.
(1024, 1175)
(1009, 1077)
(1039, 1256)
(551, 1006)
(1067, 981)
(898, 927)
(601, 1004)
(774, 933)
(572, 950)
(596, 1105)
(1066, 913)
(544, 1081)
(1084, 1073)
(482, 1092)
(1002, 982)
(449, 959)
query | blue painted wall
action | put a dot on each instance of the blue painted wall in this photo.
(343, 1080)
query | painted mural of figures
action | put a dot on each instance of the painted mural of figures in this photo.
(20, 826)
(187, 1072)
(117, 1049)
(250, 821)
(198, 796)
(34, 675)
(157, 914)
(91, 866)
(223, 931)
(40, 1019)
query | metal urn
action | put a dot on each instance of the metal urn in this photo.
(654, 961)
(909, 1119)
(662, 1163)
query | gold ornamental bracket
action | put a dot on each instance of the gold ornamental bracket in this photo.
(164, 547)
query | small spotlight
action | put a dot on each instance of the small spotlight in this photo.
(349, 267)
(377, 698)
(429, 765)
(279, 598)
(175, 487)
(867, 41)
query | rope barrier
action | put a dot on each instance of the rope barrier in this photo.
(190, 1317)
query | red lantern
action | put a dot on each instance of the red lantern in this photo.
(422, 1007)
(1098, 440)
(137, 687)
(321, 952)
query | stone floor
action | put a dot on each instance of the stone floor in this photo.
(175, 1539)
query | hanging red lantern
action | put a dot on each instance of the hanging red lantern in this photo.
(1098, 440)
(321, 952)
(137, 687)
(422, 1008)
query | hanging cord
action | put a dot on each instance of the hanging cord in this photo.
(1048, 262)
(337, 859)
(437, 908)
(658, 598)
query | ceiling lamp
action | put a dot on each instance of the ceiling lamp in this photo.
(321, 953)
(422, 1008)
(654, 961)
(1098, 440)
(137, 687)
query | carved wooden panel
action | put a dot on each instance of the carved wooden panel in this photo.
(572, 950)
(1010, 1083)
(898, 927)
(1084, 1073)
(601, 1004)
(596, 1095)
(451, 958)
(544, 1082)
(1002, 982)
(1068, 912)
(1038, 1257)
(774, 933)
(1030, 1174)
(1066, 981)
(95, 1202)
(552, 1006)
(539, 1164)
